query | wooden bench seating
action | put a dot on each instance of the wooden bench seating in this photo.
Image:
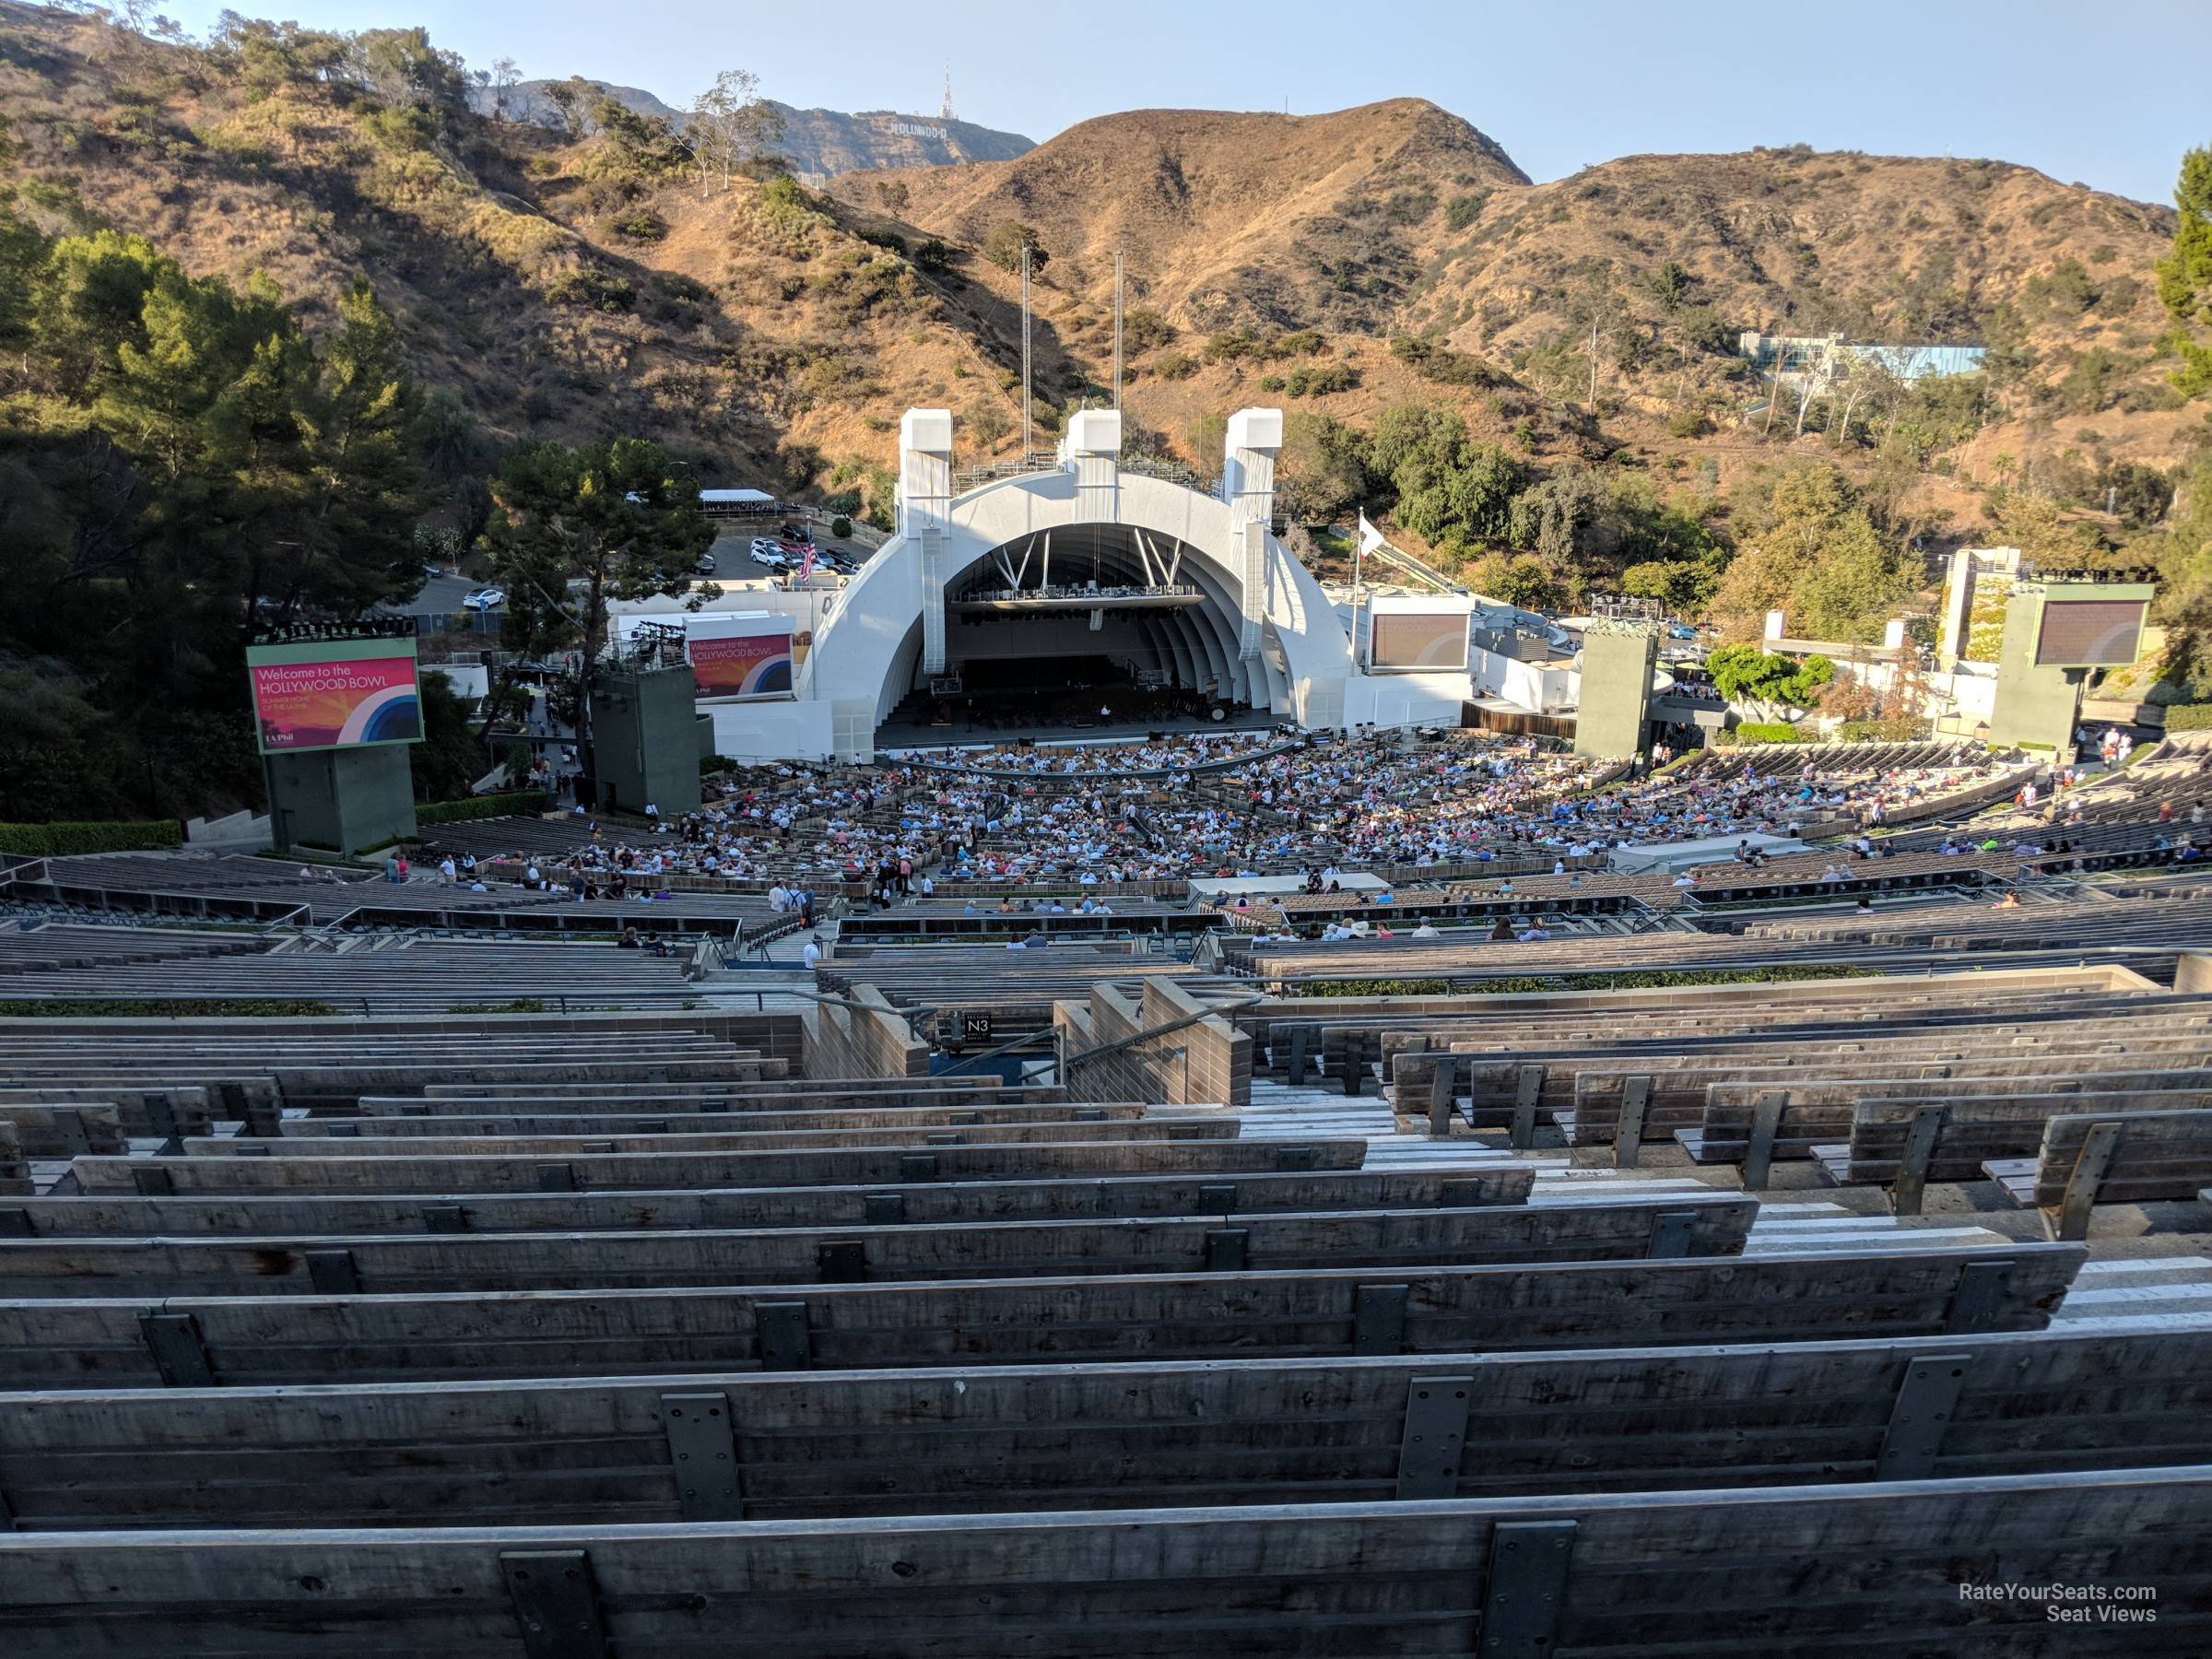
(1869, 1568)
(676, 1119)
(135, 1113)
(1970, 1129)
(255, 1216)
(2089, 1157)
(63, 1131)
(187, 1341)
(730, 1137)
(1119, 1196)
(1584, 1094)
(1129, 1434)
(773, 1094)
(409, 1170)
(1679, 1081)
(1698, 1225)
(1630, 1041)
(15, 1170)
(1815, 1112)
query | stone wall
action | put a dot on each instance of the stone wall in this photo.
(856, 1043)
(1206, 1062)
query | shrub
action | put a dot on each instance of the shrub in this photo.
(842, 527)
(2189, 717)
(1462, 211)
(1388, 987)
(1003, 247)
(642, 227)
(1145, 328)
(592, 289)
(1176, 366)
(54, 841)
(1758, 730)
(1897, 730)
(1648, 980)
(509, 805)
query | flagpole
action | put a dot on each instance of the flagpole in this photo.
(1358, 583)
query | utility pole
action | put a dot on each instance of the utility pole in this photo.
(1025, 355)
(1117, 331)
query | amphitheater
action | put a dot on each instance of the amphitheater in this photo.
(1348, 1196)
(1100, 570)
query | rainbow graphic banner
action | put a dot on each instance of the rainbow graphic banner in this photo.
(334, 694)
(755, 664)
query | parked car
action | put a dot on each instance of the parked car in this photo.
(770, 556)
(705, 567)
(1680, 631)
(844, 564)
(796, 532)
(484, 599)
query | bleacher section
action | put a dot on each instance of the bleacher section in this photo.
(650, 1332)
(399, 976)
(1632, 1314)
(271, 890)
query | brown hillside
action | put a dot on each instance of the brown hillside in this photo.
(762, 338)
(1294, 221)
(1332, 264)
(1402, 220)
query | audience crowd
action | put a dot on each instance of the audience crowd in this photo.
(1011, 816)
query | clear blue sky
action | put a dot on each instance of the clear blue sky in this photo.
(2107, 92)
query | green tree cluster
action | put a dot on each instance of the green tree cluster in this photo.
(577, 527)
(1766, 682)
(179, 463)
(1810, 546)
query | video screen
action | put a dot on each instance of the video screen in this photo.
(334, 694)
(2090, 633)
(1414, 640)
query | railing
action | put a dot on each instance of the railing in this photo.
(979, 473)
(1060, 592)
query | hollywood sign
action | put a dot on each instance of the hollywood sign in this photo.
(913, 129)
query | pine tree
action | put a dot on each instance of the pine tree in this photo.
(2185, 275)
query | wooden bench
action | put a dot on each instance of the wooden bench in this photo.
(1904, 1143)
(114, 1214)
(1822, 1089)
(1698, 1225)
(1132, 1433)
(734, 1137)
(15, 1170)
(63, 1131)
(674, 1119)
(605, 1171)
(2090, 1157)
(1873, 1567)
(188, 1341)
(1678, 1082)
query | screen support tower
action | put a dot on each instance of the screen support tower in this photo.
(1117, 330)
(1620, 652)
